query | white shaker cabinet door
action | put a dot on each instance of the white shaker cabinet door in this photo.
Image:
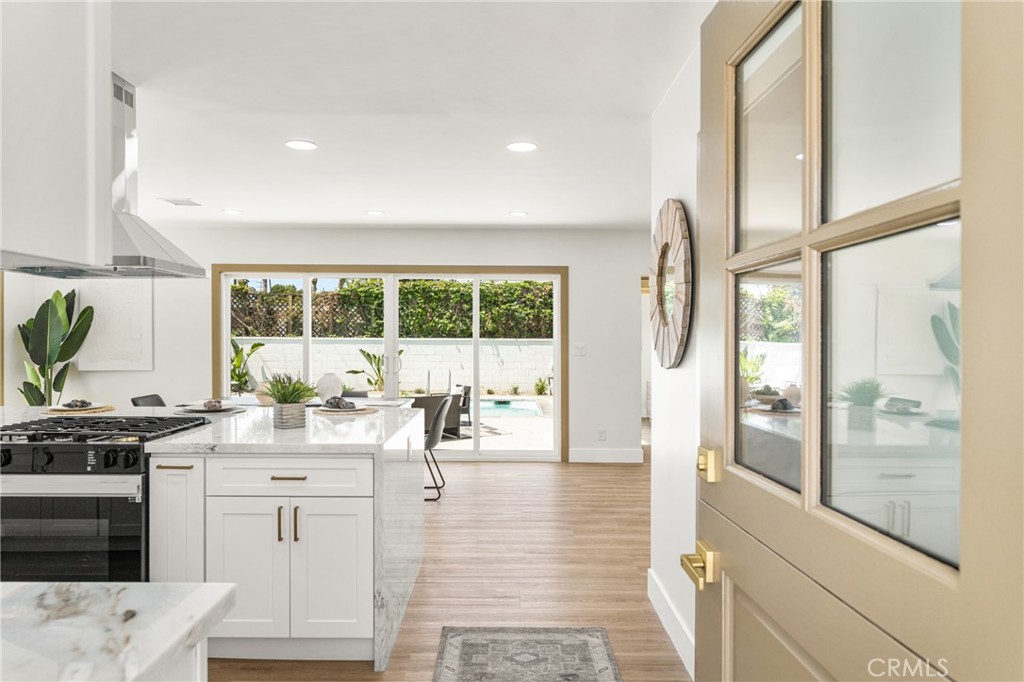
(177, 505)
(332, 567)
(247, 543)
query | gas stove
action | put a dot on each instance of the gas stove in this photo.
(98, 429)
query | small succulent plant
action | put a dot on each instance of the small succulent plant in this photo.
(863, 392)
(286, 389)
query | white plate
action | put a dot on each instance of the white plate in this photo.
(198, 407)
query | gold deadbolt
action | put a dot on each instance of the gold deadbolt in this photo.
(709, 464)
(701, 567)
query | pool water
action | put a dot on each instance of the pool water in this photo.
(509, 408)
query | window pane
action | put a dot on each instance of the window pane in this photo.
(893, 101)
(266, 311)
(770, 372)
(892, 371)
(348, 317)
(770, 136)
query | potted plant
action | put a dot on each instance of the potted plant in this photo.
(290, 395)
(862, 396)
(241, 377)
(51, 337)
(374, 375)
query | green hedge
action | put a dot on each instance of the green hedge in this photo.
(436, 309)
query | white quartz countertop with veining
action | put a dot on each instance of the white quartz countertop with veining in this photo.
(104, 631)
(252, 431)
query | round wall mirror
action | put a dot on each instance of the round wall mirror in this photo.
(670, 277)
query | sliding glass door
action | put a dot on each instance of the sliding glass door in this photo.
(491, 342)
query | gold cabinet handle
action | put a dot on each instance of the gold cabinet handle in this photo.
(176, 466)
(280, 532)
(288, 478)
(701, 566)
(295, 522)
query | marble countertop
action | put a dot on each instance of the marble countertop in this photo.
(252, 431)
(104, 631)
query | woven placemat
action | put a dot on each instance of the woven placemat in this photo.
(344, 413)
(69, 412)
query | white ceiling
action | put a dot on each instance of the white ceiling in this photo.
(412, 105)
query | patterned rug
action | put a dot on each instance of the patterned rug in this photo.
(525, 655)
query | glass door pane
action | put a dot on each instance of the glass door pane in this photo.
(435, 327)
(892, 101)
(770, 137)
(891, 431)
(266, 315)
(517, 366)
(769, 372)
(348, 333)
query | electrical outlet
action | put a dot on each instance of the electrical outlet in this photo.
(602, 434)
(579, 349)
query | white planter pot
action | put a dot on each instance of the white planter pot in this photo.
(290, 416)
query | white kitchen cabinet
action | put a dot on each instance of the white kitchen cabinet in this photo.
(332, 567)
(57, 102)
(247, 543)
(176, 519)
(303, 565)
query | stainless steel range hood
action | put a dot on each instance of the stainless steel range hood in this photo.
(138, 249)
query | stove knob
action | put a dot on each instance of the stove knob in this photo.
(109, 459)
(130, 459)
(48, 458)
(5, 457)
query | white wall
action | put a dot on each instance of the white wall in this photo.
(675, 409)
(604, 266)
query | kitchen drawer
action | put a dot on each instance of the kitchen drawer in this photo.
(871, 475)
(291, 476)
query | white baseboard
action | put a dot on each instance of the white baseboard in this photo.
(607, 455)
(681, 636)
(298, 649)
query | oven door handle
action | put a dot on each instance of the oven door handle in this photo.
(70, 485)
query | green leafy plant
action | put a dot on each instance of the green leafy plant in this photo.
(51, 337)
(286, 389)
(863, 392)
(751, 366)
(490, 391)
(241, 378)
(515, 389)
(540, 386)
(947, 335)
(375, 375)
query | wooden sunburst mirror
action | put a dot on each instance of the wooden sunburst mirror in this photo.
(670, 277)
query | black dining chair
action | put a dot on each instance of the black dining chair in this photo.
(355, 394)
(151, 400)
(432, 439)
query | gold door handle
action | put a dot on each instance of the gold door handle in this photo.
(175, 466)
(701, 567)
(709, 464)
(295, 523)
(280, 532)
(287, 478)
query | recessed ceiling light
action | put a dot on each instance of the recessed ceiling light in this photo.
(518, 214)
(301, 145)
(800, 156)
(521, 146)
(375, 212)
(231, 211)
(947, 223)
(181, 201)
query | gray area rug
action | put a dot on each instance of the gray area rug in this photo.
(525, 655)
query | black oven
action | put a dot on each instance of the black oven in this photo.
(73, 497)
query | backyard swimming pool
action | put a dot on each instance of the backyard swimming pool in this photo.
(501, 407)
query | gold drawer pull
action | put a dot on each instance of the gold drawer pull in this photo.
(280, 534)
(701, 566)
(287, 478)
(295, 522)
(175, 466)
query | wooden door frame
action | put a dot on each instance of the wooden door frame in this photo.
(218, 270)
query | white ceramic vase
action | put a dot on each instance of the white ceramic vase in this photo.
(329, 385)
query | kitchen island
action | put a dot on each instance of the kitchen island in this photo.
(109, 631)
(320, 527)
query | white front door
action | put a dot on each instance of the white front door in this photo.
(860, 236)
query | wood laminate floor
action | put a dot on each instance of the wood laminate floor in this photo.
(528, 545)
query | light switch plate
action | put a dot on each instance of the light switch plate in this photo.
(579, 349)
